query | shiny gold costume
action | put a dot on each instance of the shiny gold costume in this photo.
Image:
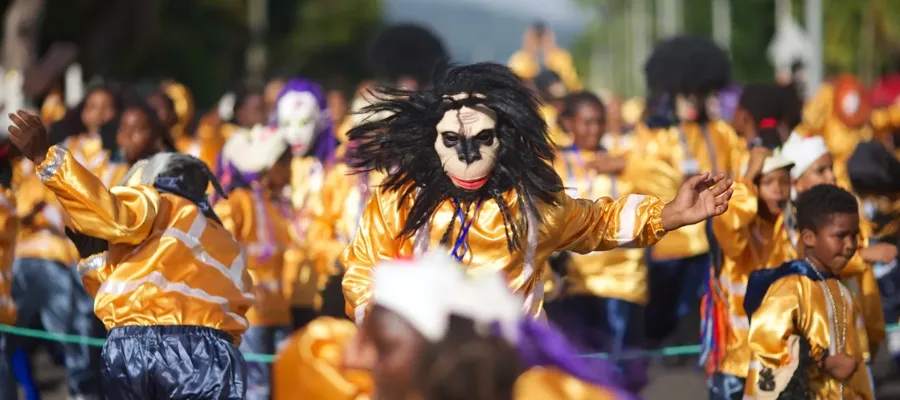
(746, 242)
(581, 226)
(89, 152)
(53, 108)
(858, 275)
(167, 263)
(208, 141)
(558, 136)
(548, 383)
(262, 225)
(720, 150)
(619, 273)
(819, 119)
(309, 365)
(797, 305)
(8, 226)
(44, 235)
(525, 64)
(303, 276)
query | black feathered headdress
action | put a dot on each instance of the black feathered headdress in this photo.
(687, 65)
(402, 145)
(405, 50)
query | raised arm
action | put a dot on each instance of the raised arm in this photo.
(732, 228)
(375, 241)
(118, 215)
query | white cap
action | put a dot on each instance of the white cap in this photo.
(803, 152)
(254, 150)
(772, 163)
(427, 291)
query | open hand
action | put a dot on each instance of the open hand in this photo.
(29, 135)
(883, 253)
(700, 197)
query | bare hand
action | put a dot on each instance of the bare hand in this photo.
(840, 366)
(879, 253)
(700, 197)
(29, 135)
(358, 354)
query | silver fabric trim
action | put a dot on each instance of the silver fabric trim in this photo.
(47, 171)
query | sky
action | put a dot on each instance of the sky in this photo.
(553, 11)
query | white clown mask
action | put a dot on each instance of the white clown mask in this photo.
(467, 144)
(299, 119)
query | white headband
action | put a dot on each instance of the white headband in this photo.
(427, 291)
(803, 152)
(254, 150)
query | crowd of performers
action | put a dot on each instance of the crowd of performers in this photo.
(454, 232)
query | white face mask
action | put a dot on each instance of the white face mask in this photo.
(298, 116)
(467, 145)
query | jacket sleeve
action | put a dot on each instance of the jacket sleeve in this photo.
(584, 226)
(732, 229)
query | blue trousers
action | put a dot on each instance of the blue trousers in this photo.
(604, 325)
(725, 387)
(674, 290)
(7, 380)
(261, 340)
(172, 362)
(51, 294)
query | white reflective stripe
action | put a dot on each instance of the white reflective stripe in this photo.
(118, 288)
(91, 263)
(740, 322)
(359, 313)
(733, 288)
(269, 285)
(755, 366)
(748, 398)
(191, 239)
(628, 220)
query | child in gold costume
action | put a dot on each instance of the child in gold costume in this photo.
(8, 231)
(172, 285)
(804, 340)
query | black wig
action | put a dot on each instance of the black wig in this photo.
(402, 145)
(405, 50)
(686, 65)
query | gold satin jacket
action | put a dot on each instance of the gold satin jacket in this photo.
(577, 225)
(746, 242)
(797, 305)
(525, 65)
(167, 263)
(841, 140)
(44, 235)
(8, 225)
(207, 143)
(89, 152)
(689, 151)
(262, 225)
(548, 383)
(309, 365)
(619, 273)
(304, 277)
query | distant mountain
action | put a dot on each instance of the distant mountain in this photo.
(472, 32)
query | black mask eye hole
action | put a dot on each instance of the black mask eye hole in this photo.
(485, 137)
(450, 139)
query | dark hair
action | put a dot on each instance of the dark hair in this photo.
(540, 28)
(466, 365)
(131, 100)
(405, 50)
(817, 206)
(71, 123)
(241, 93)
(573, 101)
(767, 102)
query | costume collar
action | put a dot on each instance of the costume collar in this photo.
(760, 280)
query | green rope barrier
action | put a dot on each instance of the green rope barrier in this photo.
(270, 358)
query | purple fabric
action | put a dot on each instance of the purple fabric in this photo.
(325, 141)
(728, 101)
(539, 344)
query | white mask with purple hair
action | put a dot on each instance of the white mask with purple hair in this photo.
(299, 118)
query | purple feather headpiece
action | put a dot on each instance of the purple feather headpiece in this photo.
(324, 143)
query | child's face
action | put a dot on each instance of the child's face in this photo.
(775, 190)
(337, 105)
(98, 110)
(252, 111)
(835, 242)
(279, 175)
(163, 109)
(586, 126)
(398, 347)
(820, 172)
(135, 136)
